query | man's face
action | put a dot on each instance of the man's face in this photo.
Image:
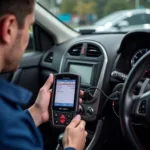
(15, 41)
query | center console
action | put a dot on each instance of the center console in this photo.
(89, 60)
(88, 70)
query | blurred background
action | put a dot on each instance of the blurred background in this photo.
(100, 14)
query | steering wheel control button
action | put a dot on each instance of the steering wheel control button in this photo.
(90, 111)
(142, 107)
(62, 119)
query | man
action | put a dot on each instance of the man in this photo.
(18, 128)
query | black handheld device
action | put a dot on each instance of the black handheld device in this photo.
(65, 98)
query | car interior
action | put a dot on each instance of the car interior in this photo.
(115, 73)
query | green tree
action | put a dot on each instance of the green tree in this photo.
(84, 7)
(68, 6)
(100, 4)
(145, 3)
(116, 5)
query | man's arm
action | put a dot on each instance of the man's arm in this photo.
(19, 132)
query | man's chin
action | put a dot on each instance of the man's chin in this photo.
(10, 69)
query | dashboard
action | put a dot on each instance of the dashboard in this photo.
(94, 58)
(133, 47)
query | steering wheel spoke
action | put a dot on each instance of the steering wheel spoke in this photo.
(140, 108)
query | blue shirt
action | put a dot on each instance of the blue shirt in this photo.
(17, 128)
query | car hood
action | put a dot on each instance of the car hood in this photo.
(85, 28)
(96, 28)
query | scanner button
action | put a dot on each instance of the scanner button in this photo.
(56, 114)
(56, 122)
(62, 119)
(69, 116)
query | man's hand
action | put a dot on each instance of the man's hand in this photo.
(40, 111)
(75, 134)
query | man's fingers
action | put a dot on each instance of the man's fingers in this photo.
(76, 121)
(81, 93)
(49, 82)
(50, 92)
(80, 100)
(80, 107)
(86, 134)
(82, 125)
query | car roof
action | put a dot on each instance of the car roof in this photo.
(135, 11)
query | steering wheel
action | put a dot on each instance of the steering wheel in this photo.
(133, 106)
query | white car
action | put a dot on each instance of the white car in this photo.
(120, 21)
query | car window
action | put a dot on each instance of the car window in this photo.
(30, 46)
(138, 19)
(109, 18)
(148, 18)
(99, 15)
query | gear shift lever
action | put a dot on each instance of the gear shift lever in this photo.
(60, 142)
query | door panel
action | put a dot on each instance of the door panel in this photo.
(27, 75)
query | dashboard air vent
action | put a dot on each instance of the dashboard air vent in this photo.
(49, 57)
(75, 50)
(93, 51)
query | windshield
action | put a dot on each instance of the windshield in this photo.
(108, 18)
(101, 15)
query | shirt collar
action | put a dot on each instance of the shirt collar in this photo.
(14, 93)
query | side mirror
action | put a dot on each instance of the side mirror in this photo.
(123, 24)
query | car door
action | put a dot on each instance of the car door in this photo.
(135, 22)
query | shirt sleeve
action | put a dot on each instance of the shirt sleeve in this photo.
(69, 148)
(18, 132)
